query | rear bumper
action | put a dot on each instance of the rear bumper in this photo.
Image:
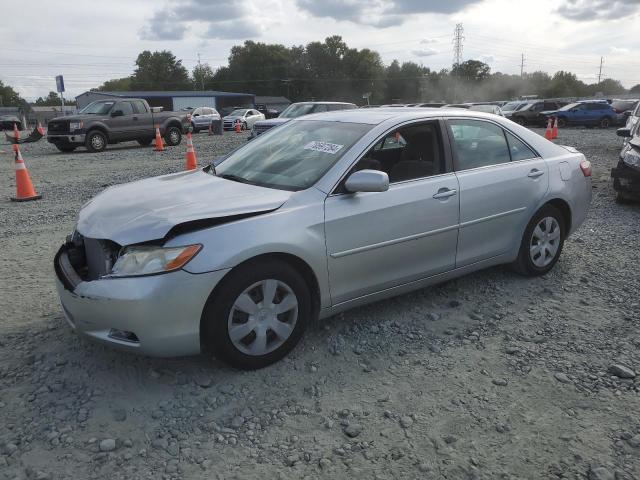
(76, 139)
(162, 311)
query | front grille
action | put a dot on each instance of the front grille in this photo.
(58, 127)
(228, 124)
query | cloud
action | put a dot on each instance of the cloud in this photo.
(619, 50)
(380, 13)
(486, 58)
(424, 52)
(584, 10)
(222, 19)
(428, 41)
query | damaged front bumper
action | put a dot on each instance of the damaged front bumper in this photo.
(155, 315)
(77, 139)
(626, 179)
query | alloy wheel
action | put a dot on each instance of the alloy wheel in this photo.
(545, 242)
(97, 142)
(263, 317)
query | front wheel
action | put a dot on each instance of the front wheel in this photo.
(605, 122)
(244, 126)
(173, 136)
(257, 315)
(562, 122)
(542, 242)
(96, 141)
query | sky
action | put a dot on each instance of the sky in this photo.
(90, 41)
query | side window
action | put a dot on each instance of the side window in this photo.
(478, 144)
(139, 107)
(126, 108)
(406, 154)
(319, 108)
(519, 151)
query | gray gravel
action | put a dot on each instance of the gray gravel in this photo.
(489, 376)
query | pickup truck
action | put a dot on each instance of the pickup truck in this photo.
(106, 122)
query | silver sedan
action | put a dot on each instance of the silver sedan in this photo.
(325, 213)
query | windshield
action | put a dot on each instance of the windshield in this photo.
(298, 109)
(513, 106)
(238, 113)
(294, 157)
(569, 107)
(98, 107)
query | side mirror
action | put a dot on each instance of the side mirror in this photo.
(367, 181)
(624, 132)
(117, 113)
(627, 113)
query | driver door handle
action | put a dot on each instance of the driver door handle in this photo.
(535, 173)
(445, 193)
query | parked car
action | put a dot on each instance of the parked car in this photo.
(296, 110)
(478, 107)
(626, 175)
(246, 117)
(589, 113)
(431, 105)
(8, 121)
(510, 107)
(106, 122)
(623, 109)
(532, 112)
(267, 112)
(331, 211)
(633, 117)
(202, 117)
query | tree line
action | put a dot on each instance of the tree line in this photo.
(330, 70)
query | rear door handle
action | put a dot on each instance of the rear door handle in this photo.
(535, 173)
(445, 193)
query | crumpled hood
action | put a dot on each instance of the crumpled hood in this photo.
(147, 209)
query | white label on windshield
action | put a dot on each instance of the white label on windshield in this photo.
(324, 147)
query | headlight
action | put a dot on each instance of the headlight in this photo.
(149, 260)
(75, 126)
(632, 158)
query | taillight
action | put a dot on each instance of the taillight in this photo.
(585, 166)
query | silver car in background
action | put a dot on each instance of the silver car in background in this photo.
(246, 117)
(202, 117)
(322, 214)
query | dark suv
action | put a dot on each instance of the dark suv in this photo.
(531, 114)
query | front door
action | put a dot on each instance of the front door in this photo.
(385, 239)
(502, 182)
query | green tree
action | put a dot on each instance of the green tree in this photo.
(159, 71)
(566, 84)
(635, 89)
(116, 85)
(471, 71)
(53, 99)
(9, 97)
(608, 86)
(202, 75)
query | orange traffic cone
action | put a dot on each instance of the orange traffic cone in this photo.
(547, 134)
(554, 130)
(40, 129)
(16, 132)
(238, 127)
(210, 129)
(159, 146)
(24, 187)
(190, 161)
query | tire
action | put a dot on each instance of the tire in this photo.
(246, 284)
(96, 141)
(244, 126)
(66, 148)
(562, 122)
(144, 142)
(173, 136)
(605, 122)
(532, 264)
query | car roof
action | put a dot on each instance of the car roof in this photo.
(378, 115)
(322, 103)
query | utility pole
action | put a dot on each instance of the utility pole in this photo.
(200, 73)
(522, 66)
(458, 40)
(600, 72)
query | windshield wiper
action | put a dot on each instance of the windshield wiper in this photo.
(235, 178)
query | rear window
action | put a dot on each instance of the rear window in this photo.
(623, 106)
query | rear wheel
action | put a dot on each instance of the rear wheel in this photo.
(66, 148)
(173, 136)
(96, 141)
(542, 242)
(605, 122)
(562, 122)
(257, 315)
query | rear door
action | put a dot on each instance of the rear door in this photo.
(142, 120)
(121, 126)
(502, 182)
(385, 239)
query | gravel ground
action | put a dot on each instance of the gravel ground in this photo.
(490, 376)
